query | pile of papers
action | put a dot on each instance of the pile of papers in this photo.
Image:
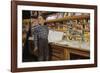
(55, 36)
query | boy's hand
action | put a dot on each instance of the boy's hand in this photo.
(35, 52)
(35, 49)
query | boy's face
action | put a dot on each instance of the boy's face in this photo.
(34, 22)
(41, 20)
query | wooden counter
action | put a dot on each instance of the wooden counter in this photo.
(63, 52)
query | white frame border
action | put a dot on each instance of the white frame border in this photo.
(20, 64)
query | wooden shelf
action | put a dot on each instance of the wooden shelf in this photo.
(65, 18)
(69, 18)
(48, 13)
